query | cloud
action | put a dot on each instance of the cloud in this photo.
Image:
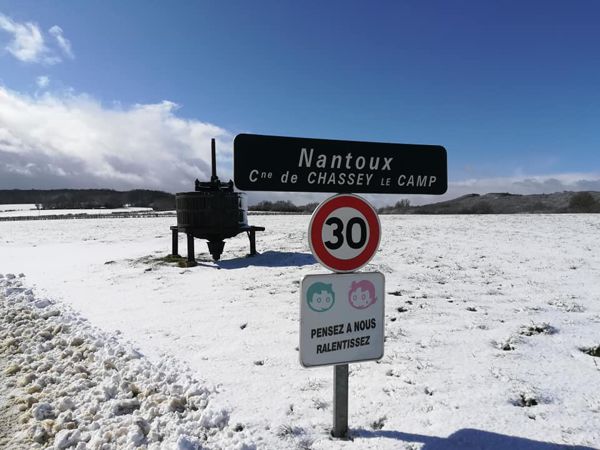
(524, 184)
(530, 184)
(29, 45)
(521, 184)
(63, 42)
(59, 140)
(68, 140)
(42, 81)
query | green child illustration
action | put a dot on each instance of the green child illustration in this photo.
(320, 297)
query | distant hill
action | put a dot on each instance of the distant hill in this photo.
(89, 198)
(495, 203)
(505, 203)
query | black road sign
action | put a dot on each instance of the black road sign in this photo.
(287, 164)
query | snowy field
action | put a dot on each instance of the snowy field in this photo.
(491, 327)
(25, 210)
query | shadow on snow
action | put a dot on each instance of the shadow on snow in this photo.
(269, 259)
(466, 439)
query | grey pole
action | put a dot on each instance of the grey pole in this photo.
(175, 241)
(340, 401)
(191, 256)
(213, 153)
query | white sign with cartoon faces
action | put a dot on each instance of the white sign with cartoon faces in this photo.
(341, 318)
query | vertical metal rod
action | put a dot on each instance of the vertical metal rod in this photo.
(191, 257)
(213, 154)
(252, 237)
(175, 242)
(340, 401)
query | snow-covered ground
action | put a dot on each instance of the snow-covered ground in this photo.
(486, 320)
(25, 210)
(77, 387)
(17, 207)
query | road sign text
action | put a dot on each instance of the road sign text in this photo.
(274, 163)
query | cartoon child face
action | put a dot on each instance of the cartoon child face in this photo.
(362, 294)
(320, 297)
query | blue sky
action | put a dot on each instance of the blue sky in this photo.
(510, 88)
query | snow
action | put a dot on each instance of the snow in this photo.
(79, 387)
(26, 210)
(486, 319)
(16, 207)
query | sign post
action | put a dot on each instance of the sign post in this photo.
(340, 401)
(341, 314)
(341, 321)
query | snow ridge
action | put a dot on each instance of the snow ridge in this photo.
(75, 387)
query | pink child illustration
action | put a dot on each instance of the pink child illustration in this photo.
(362, 294)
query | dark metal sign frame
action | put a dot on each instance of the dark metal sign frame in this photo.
(289, 164)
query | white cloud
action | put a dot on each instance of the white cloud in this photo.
(67, 140)
(59, 140)
(521, 184)
(42, 81)
(524, 184)
(531, 184)
(29, 45)
(63, 42)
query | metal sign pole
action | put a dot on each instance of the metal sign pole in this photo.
(340, 401)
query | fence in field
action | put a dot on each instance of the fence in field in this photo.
(88, 216)
(129, 215)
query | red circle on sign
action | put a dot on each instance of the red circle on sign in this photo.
(317, 222)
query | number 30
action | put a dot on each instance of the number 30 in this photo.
(338, 233)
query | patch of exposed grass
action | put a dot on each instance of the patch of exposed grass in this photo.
(320, 404)
(379, 423)
(167, 260)
(507, 345)
(592, 351)
(533, 329)
(172, 259)
(285, 430)
(526, 400)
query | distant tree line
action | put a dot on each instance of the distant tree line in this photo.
(494, 203)
(283, 206)
(498, 203)
(584, 202)
(400, 207)
(505, 203)
(89, 198)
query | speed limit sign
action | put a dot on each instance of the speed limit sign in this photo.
(344, 233)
